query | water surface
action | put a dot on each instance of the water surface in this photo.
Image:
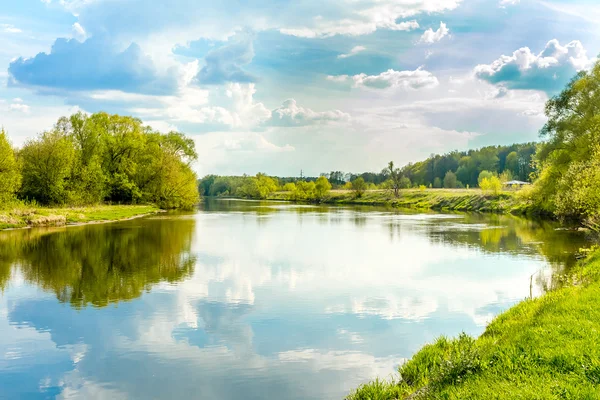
(248, 300)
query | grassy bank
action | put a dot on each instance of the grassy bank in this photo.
(434, 199)
(20, 216)
(545, 348)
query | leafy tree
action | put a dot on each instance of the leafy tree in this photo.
(10, 175)
(405, 183)
(359, 186)
(47, 167)
(289, 187)
(512, 163)
(395, 178)
(437, 183)
(483, 175)
(568, 159)
(450, 180)
(491, 184)
(322, 188)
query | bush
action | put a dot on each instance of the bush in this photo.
(491, 185)
(359, 186)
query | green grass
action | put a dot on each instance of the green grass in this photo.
(434, 199)
(21, 215)
(545, 348)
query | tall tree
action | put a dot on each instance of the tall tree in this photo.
(10, 175)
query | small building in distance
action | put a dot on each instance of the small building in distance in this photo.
(516, 184)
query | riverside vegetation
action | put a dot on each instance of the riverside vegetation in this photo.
(87, 168)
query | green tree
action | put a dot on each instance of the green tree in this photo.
(359, 186)
(289, 187)
(47, 166)
(322, 188)
(572, 133)
(491, 184)
(395, 178)
(483, 175)
(512, 163)
(450, 181)
(437, 183)
(10, 174)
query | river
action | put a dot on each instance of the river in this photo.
(255, 300)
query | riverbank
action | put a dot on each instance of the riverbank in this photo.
(545, 348)
(21, 216)
(466, 200)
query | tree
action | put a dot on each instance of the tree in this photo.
(47, 166)
(450, 181)
(289, 187)
(395, 178)
(567, 158)
(437, 183)
(491, 184)
(359, 186)
(10, 174)
(322, 188)
(512, 163)
(483, 175)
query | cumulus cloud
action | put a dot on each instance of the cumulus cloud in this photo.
(390, 79)
(225, 63)
(89, 65)
(233, 107)
(430, 36)
(547, 71)
(290, 114)
(355, 50)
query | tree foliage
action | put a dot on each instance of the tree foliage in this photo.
(359, 186)
(10, 174)
(569, 159)
(103, 157)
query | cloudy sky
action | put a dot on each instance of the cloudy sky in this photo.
(279, 86)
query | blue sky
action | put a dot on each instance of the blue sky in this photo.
(279, 86)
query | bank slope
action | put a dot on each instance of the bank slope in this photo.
(545, 348)
(25, 216)
(474, 200)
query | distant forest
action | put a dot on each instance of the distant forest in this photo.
(456, 169)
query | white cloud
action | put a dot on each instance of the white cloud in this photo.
(19, 107)
(504, 3)
(78, 32)
(290, 114)
(8, 28)
(430, 36)
(348, 27)
(253, 142)
(355, 50)
(548, 70)
(390, 79)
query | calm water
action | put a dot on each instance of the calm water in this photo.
(247, 300)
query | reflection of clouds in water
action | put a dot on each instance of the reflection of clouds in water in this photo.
(340, 261)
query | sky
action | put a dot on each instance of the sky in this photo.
(283, 86)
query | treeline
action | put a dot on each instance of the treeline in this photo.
(459, 169)
(100, 158)
(261, 186)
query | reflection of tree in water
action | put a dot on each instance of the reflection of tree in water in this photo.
(511, 234)
(101, 264)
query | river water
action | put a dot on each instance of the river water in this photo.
(255, 300)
